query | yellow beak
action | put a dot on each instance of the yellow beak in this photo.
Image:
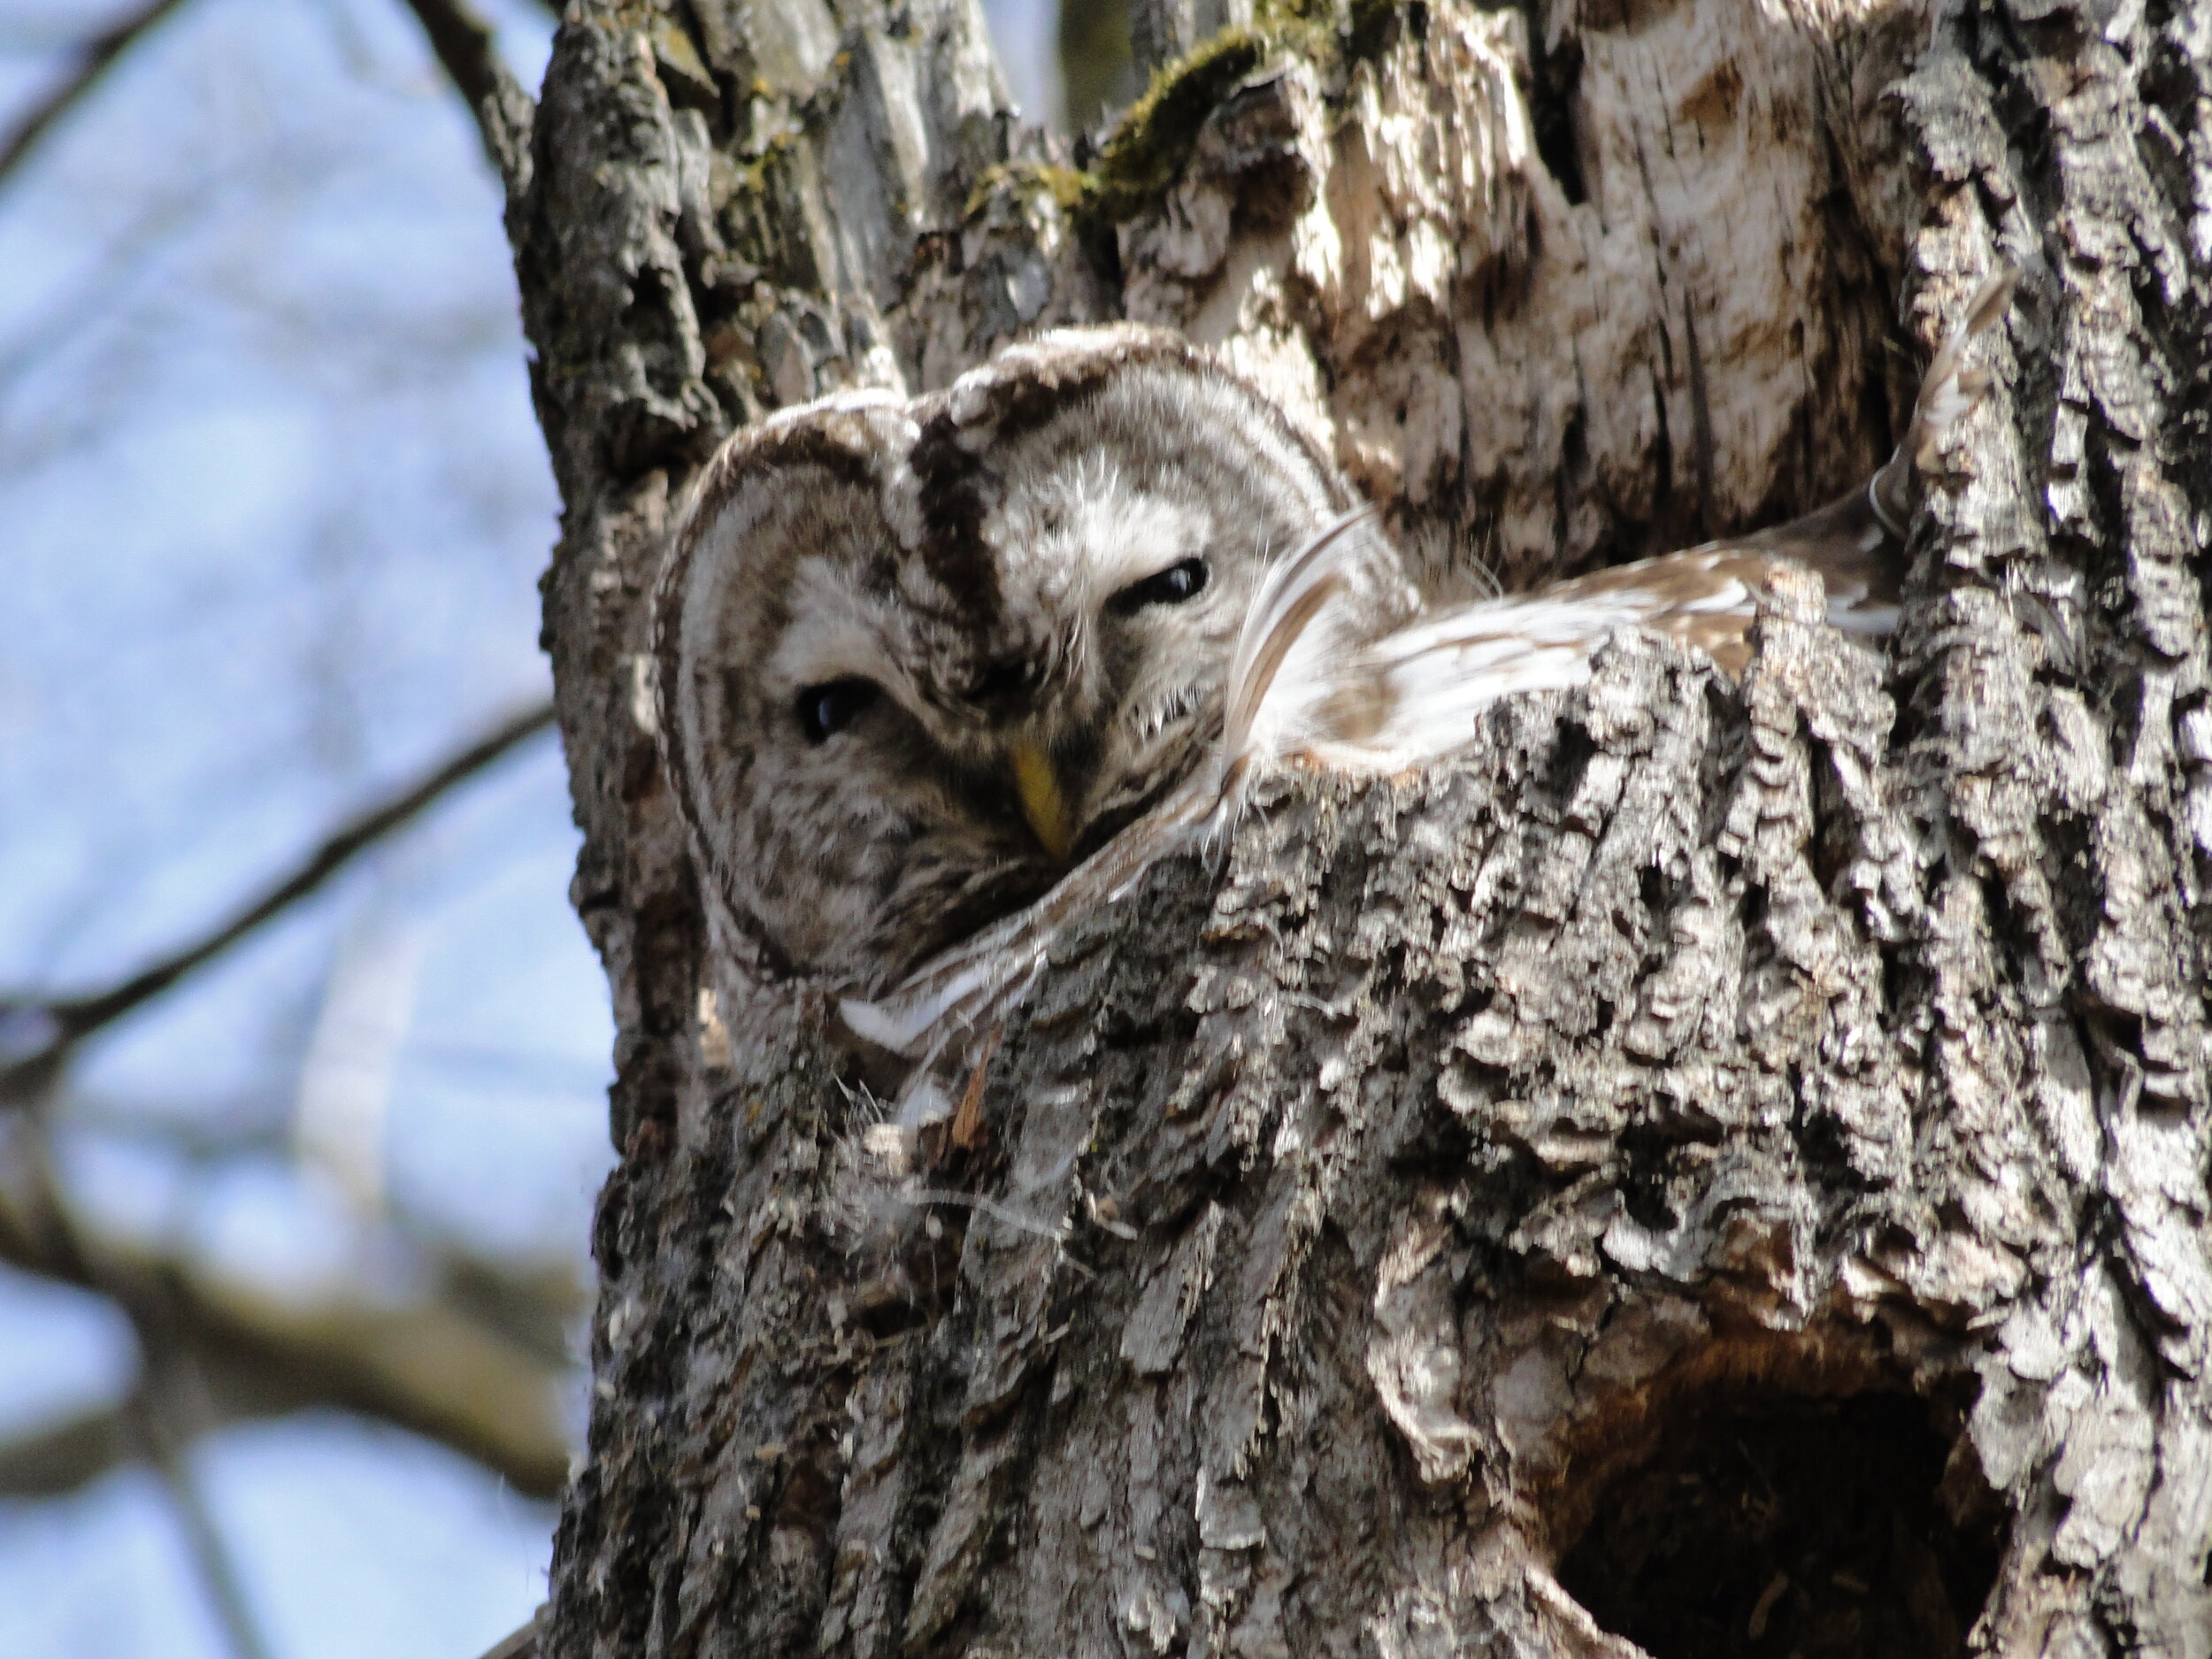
(1042, 803)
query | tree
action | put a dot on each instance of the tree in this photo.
(1718, 1169)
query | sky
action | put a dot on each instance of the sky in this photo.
(273, 509)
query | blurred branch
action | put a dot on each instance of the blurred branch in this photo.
(94, 59)
(464, 44)
(166, 1390)
(62, 1456)
(521, 1643)
(437, 1368)
(167, 1386)
(45, 1031)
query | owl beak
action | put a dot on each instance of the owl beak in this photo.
(1043, 803)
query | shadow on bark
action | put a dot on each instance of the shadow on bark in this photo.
(1756, 1522)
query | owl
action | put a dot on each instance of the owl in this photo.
(915, 659)
(936, 675)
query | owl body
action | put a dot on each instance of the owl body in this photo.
(916, 658)
(936, 675)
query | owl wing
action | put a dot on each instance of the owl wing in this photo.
(1429, 680)
(1304, 682)
(1434, 677)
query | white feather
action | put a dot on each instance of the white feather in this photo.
(1293, 649)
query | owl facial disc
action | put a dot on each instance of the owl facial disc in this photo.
(916, 657)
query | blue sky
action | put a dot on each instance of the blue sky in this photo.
(274, 509)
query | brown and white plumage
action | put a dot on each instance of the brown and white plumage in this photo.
(913, 658)
(1320, 672)
(1409, 694)
(935, 676)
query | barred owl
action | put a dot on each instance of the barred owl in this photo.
(936, 674)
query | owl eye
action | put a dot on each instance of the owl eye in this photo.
(1171, 587)
(826, 711)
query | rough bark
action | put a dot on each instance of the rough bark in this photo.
(1723, 1168)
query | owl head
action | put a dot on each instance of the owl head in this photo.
(916, 658)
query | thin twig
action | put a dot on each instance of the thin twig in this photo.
(464, 44)
(204, 1538)
(1022, 1221)
(94, 59)
(65, 1022)
(452, 1369)
(520, 1643)
(163, 1378)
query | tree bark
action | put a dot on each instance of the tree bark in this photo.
(1716, 1168)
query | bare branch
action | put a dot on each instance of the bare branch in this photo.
(168, 1389)
(50, 1028)
(520, 1643)
(62, 1456)
(519, 1311)
(460, 1371)
(67, 1455)
(96, 58)
(432, 1368)
(82, 1015)
(464, 44)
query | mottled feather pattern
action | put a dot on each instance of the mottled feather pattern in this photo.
(1087, 593)
(954, 557)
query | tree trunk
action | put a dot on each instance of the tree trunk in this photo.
(1722, 1168)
